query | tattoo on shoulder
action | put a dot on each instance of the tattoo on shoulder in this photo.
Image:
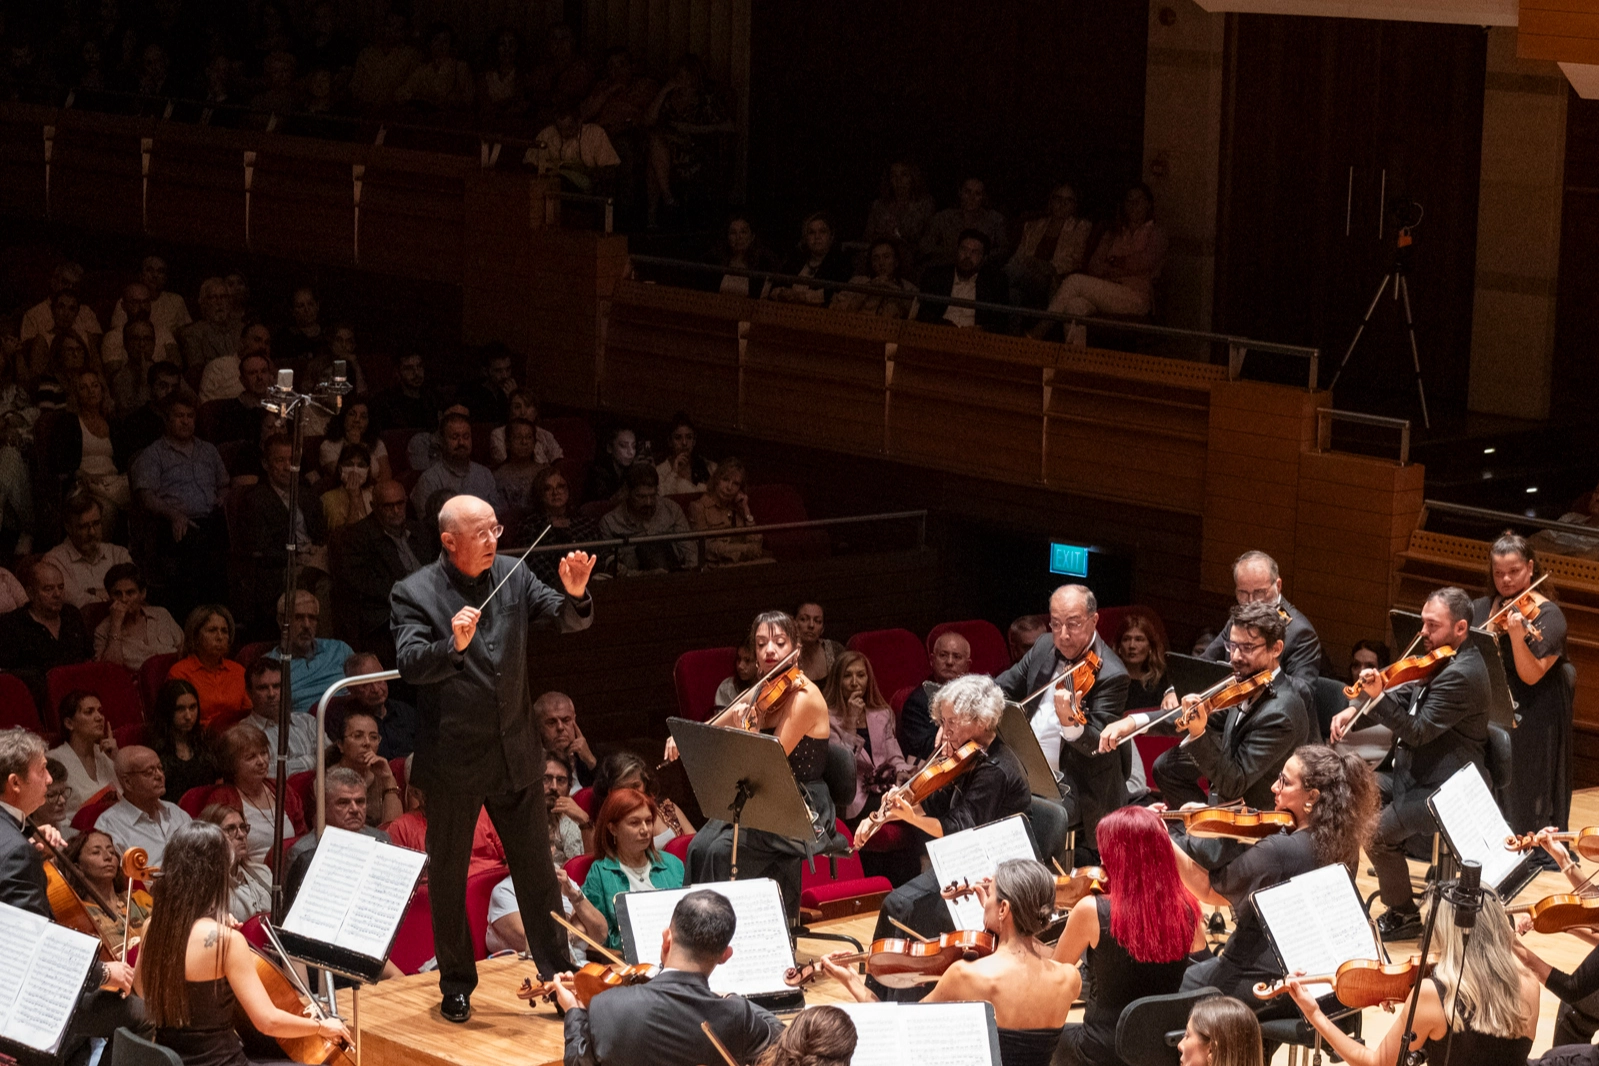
(211, 939)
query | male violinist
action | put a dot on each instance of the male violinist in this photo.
(23, 885)
(1257, 580)
(1440, 725)
(1240, 750)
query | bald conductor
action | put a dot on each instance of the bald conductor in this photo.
(477, 744)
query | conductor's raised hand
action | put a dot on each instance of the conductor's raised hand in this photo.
(575, 570)
(464, 625)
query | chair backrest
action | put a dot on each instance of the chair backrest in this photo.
(775, 504)
(1149, 1028)
(90, 812)
(195, 800)
(481, 431)
(1051, 825)
(153, 674)
(251, 652)
(596, 509)
(16, 705)
(575, 436)
(576, 473)
(847, 865)
(138, 734)
(678, 846)
(898, 658)
(93, 613)
(397, 443)
(839, 773)
(1110, 620)
(413, 942)
(479, 889)
(303, 785)
(1329, 699)
(129, 1049)
(990, 653)
(584, 798)
(577, 868)
(1499, 762)
(696, 675)
(112, 682)
(897, 700)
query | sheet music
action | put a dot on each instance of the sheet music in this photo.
(46, 965)
(1339, 933)
(973, 854)
(355, 892)
(762, 953)
(1474, 825)
(921, 1034)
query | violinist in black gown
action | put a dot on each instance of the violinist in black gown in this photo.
(24, 780)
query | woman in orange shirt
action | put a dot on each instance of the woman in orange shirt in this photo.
(207, 639)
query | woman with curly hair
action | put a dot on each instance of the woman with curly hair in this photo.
(821, 1036)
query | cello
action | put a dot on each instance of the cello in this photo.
(68, 890)
(289, 994)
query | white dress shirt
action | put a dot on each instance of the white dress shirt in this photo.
(129, 827)
(86, 577)
(302, 738)
(1050, 733)
(81, 785)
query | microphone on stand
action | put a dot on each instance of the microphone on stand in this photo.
(338, 387)
(1465, 895)
(281, 395)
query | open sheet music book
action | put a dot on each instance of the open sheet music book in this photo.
(352, 900)
(42, 977)
(1476, 830)
(973, 854)
(1316, 923)
(923, 1034)
(762, 953)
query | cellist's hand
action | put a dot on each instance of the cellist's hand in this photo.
(50, 835)
(118, 977)
(331, 1028)
(565, 995)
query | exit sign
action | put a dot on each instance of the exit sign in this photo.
(1068, 559)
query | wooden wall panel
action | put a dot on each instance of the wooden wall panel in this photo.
(1563, 30)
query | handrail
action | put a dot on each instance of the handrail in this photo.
(1237, 346)
(1326, 416)
(1508, 518)
(321, 737)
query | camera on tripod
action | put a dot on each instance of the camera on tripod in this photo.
(1406, 215)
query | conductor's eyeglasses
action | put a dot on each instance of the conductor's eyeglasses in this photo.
(484, 536)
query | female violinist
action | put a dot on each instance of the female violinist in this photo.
(100, 862)
(790, 707)
(195, 967)
(1031, 992)
(1534, 652)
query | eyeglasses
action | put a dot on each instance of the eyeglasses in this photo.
(1069, 625)
(242, 829)
(488, 536)
(557, 779)
(1247, 649)
(148, 771)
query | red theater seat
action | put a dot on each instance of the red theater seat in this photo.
(824, 896)
(898, 658)
(153, 674)
(776, 504)
(1110, 620)
(413, 942)
(697, 675)
(577, 868)
(16, 705)
(90, 812)
(678, 846)
(584, 798)
(479, 888)
(112, 682)
(576, 438)
(990, 653)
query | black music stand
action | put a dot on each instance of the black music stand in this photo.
(1016, 730)
(1191, 674)
(746, 775)
(1501, 704)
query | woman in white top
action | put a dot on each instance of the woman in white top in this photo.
(97, 472)
(685, 471)
(525, 405)
(353, 425)
(133, 631)
(87, 751)
(252, 881)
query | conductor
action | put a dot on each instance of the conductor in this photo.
(477, 745)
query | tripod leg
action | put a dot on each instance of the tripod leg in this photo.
(1403, 288)
(1381, 288)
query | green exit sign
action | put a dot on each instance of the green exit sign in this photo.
(1068, 559)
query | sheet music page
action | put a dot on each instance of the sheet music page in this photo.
(331, 886)
(385, 892)
(51, 987)
(920, 1034)
(973, 854)
(19, 935)
(1339, 933)
(1475, 826)
(761, 949)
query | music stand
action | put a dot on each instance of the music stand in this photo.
(1191, 674)
(1016, 730)
(1501, 704)
(745, 774)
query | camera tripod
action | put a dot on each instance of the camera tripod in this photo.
(1398, 275)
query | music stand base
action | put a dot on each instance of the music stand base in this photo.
(737, 809)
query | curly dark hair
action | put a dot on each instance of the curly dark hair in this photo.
(1345, 815)
(821, 1036)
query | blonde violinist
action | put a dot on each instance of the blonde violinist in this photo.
(788, 706)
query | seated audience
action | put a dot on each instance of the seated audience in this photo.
(624, 769)
(314, 663)
(40, 318)
(223, 377)
(683, 470)
(580, 152)
(385, 64)
(883, 257)
(1051, 248)
(129, 379)
(410, 403)
(249, 785)
(684, 121)
(941, 243)
(455, 470)
(619, 100)
(1223, 1031)
(180, 482)
(559, 735)
(250, 882)
(507, 933)
(188, 758)
(443, 82)
(816, 257)
(1024, 633)
(264, 526)
(99, 860)
(214, 334)
(45, 632)
(609, 468)
(817, 652)
(56, 369)
(1372, 742)
(397, 720)
(950, 658)
(515, 478)
(350, 498)
(56, 809)
(740, 250)
(488, 399)
(88, 748)
(344, 807)
(299, 340)
(424, 450)
(863, 722)
(525, 405)
(84, 558)
(357, 749)
(282, 93)
(12, 594)
(241, 419)
(902, 210)
(264, 680)
(354, 425)
(141, 399)
(564, 71)
(626, 858)
(745, 673)
(368, 557)
(1140, 648)
(1204, 639)
(410, 831)
(207, 639)
(568, 823)
(141, 818)
(56, 350)
(823, 1035)
(967, 278)
(168, 310)
(502, 86)
(81, 453)
(725, 506)
(1120, 278)
(1367, 655)
(643, 512)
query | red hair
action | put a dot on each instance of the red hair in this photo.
(1136, 852)
(619, 803)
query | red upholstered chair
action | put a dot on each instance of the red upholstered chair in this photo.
(479, 887)
(397, 764)
(898, 658)
(413, 941)
(93, 614)
(678, 846)
(826, 894)
(16, 705)
(1110, 620)
(990, 653)
(153, 674)
(303, 785)
(480, 449)
(575, 436)
(584, 797)
(596, 509)
(776, 504)
(137, 733)
(697, 675)
(225, 721)
(897, 700)
(1149, 749)
(397, 443)
(577, 868)
(251, 652)
(90, 812)
(195, 800)
(112, 682)
(253, 933)
(577, 476)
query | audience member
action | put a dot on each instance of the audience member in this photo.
(563, 73)
(618, 104)
(136, 307)
(141, 818)
(456, 471)
(489, 398)
(213, 335)
(298, 340)
(56, 366)
(559, 735)
(683, 470)
(12, 594)
(1367, 655)
(397, 720)
(626, 858)
(83, 558)
(314, 663)
(502, 85)
(1142, 650)
(368, 557)
(643, 512)
(902, 210)
(223, 377)
(1051, 248)
(883, 256)
(941, 243)
(249, 786)
(816, 257)
(44, 633)
(424, 450)
(357, 750)
(251, 881)
(141, 398)
(99, 860)
(515, 478)
(354, 425)
(180, 482)
(683, 120)
(965, 279)
(442, 83)
(410, 831)
(525, 405)
(176, 735)
(725, 506)
(168, 310)
(241, 420)
(282, 92)
(580, 152)
(208, 635)
(41, 318)
(740, 250)
(950, 658)
(133, 630)
(745, 672)
(130, 379)
(1120, 279)
(609, 468)
(339, 344)
(385, 64)
(506, 931)
(817, 653)
(265, 528)
(1204, 639)
(87, 751)
(411, 403)
(567, 821)
(324, 47)
(553, 507)
(863, 722)
(56, 809)
(350, 498)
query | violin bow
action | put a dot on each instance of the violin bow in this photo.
(897, 924)
(518, 565)
(291, 973)
(1512, 601)
(1372, 701)
(1167, 716)
(721, 1048)
(590, 941)
(783, 664)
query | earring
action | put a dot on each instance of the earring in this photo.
(1308, 805)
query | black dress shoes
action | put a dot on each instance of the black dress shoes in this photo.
(456, 1007)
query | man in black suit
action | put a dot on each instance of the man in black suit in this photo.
(1095, 781)
(489, 399)
(659, 1022)
(263, 530)
(1439, 726)
(965, 279)
(1242, 749)
(950, 658)
(1257, 580)
(368, 557)
(24, 782)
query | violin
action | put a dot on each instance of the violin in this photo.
(1403, 671)
(900, 963)
(309, 1050)
(934, 775)
(1230, 693)
(1523, 604)
(1360, 983)
(757, 701)
(1231, 823)
(1585, 842)
(590, 979)
(1070, 887)
(1560, 912)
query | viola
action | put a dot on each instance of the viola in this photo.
(1231, 823)
(900, 963)
(309, 1050)
(1360, 983)
(1403, 671)
(590, 980)
(1560, 912)
(1229, 694)
(935, 774)
(1584, 841)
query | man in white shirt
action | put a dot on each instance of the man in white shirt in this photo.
(40, 318)
(221, 379)
(136, 299)
(83, 557)
(263, 682)
(141, 818)
(570, 142)
(168, 310)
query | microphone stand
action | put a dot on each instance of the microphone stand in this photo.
(290, 405)
(1407, 1056)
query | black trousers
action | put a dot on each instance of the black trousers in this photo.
(1406, 816)
(101, 1013)
(1577, 1022)
(519, 818)
(918, 904)
(1177, 776)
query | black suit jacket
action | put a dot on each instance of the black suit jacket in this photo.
(1301, 655)
(1097, 781)
(264, 523)
(659, 1023)
(991, 288)
(22, 881)
(917, 730)
(366, 564)
(1446, 729)
(1241, 754)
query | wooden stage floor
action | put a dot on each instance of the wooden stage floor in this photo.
(401, 1025)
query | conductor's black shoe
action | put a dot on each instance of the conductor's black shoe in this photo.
(456, 1007)
(1400, 924)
